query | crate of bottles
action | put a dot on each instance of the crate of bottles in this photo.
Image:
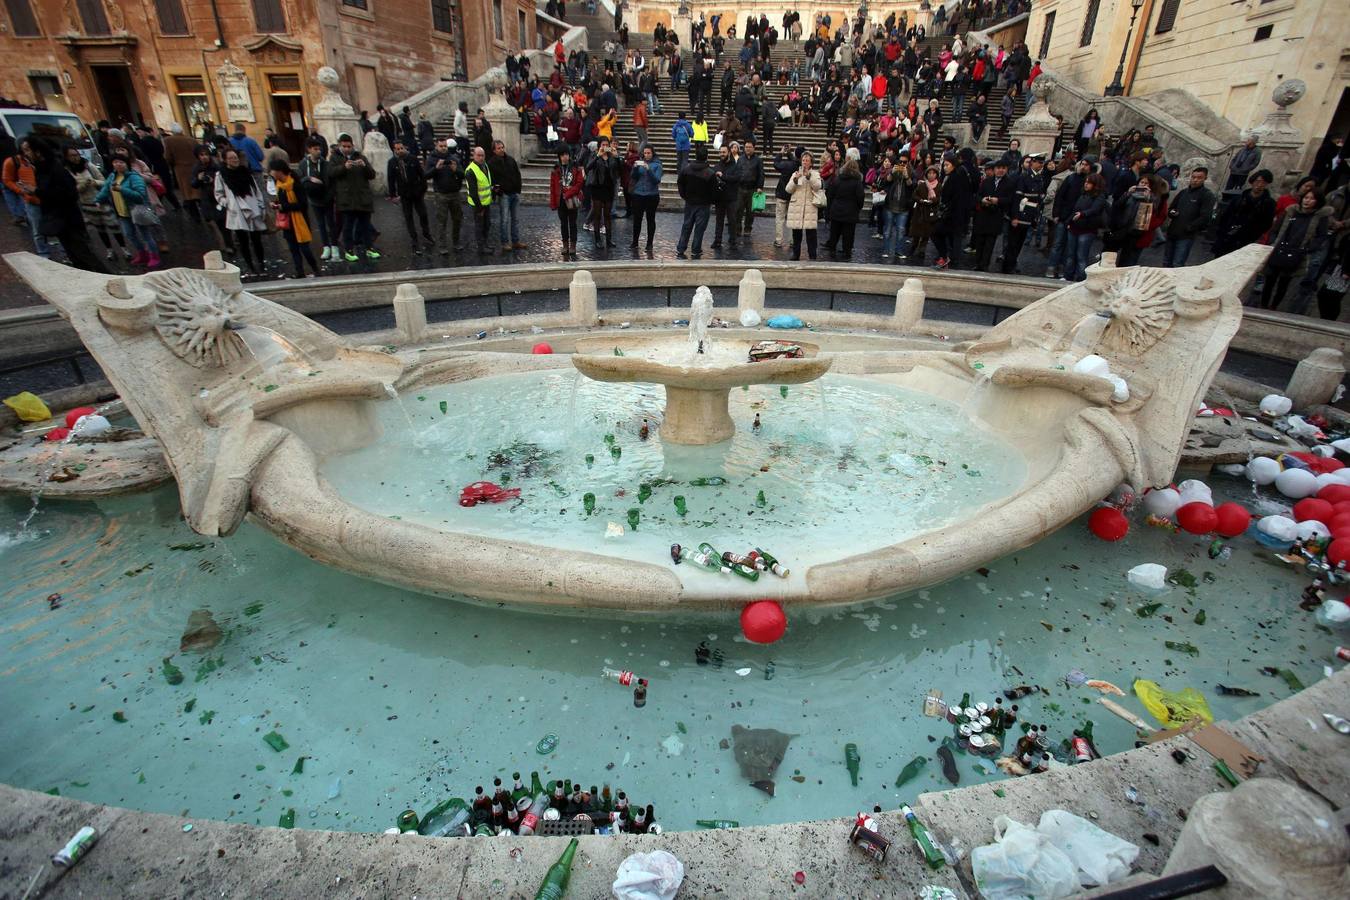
(568, 828)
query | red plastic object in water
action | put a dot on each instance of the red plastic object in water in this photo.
(79, 412)
(486, 492)
(57, 434)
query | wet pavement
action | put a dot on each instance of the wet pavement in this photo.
(538, 229)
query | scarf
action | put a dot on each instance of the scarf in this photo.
(239, 180)
(299, 226)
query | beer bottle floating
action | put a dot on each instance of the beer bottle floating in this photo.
(644, 431)
(555, 882)
(640, 693)
(708, 481)
(681, 506)
(644, 492)
(634, 516)
(449, 818)
(622, 676)
(911, 770)
(927, 847)
(717, 823)
(757, 425)
(588, 503)
(408, 821)
(851, 760)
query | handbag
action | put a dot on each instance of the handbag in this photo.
(784, 112)
(142, 214)
(878, 198)
(757, 201)
(283, 220)
(820, 199)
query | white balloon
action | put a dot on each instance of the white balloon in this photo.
(1162, 503)
(1092, 364)
(1327, 478)
(91, 425)
(1342, 445)
(1276, 405)
(1342, 475)
(1279, 527)
(1324, 450)
(1193, 491)
(749, 318)
(1120, 391)
(1234, 469)
(1296, 483)
(1148, 575)
(1263, 470)
(1311, 529)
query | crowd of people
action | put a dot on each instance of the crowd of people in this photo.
(891, 164)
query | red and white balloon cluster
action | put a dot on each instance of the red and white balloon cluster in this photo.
(1191, 505)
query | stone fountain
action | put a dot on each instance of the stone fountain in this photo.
(697, 376)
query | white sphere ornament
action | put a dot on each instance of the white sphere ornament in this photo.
(1313, 530)
(1296, 483)
(1327, 478)
(1279, 527)
(1341, 475)
(1092, 364)
(1276, 405)
(1162, 503)
(1263, 470)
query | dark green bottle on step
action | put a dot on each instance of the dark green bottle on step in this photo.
(555, 882)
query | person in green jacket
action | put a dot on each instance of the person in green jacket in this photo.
(350, 175)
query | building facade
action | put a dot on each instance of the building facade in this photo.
(248, 61)
(1229, 55)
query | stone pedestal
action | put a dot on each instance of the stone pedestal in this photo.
(377, 153)
(909, 304)
(1038, 129)
(1316, 378)
(505, 122)
(683, 26)
(410, 313)
(751, 293)
(1270, 838)
(581, 295)
(696, 417)
(1282, 145)
(332, 115)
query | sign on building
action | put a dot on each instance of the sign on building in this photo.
(235, 92)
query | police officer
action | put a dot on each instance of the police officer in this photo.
(1029, 194)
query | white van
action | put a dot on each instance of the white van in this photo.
(62, 127)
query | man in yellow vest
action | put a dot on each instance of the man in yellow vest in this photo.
(478, 184)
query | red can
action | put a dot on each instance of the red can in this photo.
(1082, 750)
(1343, 654)
(865, 838)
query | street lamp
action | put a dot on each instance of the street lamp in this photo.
(1116, 87)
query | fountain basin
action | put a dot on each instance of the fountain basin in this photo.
(696, 384)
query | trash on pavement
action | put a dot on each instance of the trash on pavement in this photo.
(648, 876)
(28, 407)
(1058, 858)
(1148, 575)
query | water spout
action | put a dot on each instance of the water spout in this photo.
(1086, 335)
(267, 348)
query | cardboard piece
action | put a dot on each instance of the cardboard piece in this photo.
(1219, 744)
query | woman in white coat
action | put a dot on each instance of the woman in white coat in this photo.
(245, 208)
(803, 190)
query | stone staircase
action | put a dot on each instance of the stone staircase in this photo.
(536, 170)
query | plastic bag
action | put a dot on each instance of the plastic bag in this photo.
(1173, 708)
(750, 318)
(1022, 863)
(1148, 575)
(28, 406)
(1100, 856)
(785, 321)
(648, 876)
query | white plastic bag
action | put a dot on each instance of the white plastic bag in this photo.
(1100, 856)
(648, 876)
(1148, 575)
(1022, 863)
(750, 318)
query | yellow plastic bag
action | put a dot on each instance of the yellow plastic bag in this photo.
(1173, 708)
(29, 406)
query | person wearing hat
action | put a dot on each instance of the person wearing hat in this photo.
(993, 203)
(1028, 196)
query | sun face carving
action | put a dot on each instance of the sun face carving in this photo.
(193, 318)
(1141, 307)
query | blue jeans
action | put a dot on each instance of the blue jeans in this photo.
(1060, 256)
(1080, 255)
(958, 106)
(508, 219)
(135, 236)
(14, 203)
(1176, 251)
(895, 224)
(40, 241)
(695, 223)
(653, 103)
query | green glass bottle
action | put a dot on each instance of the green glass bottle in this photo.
(555, 882)
(708, 481)
(681, 506)
(634, 515)
(588, 503)
(783, 390)
(774, 565)
(644, 492)
(590, 460)
(759, 500)
(851, 759)
(718, 823)
(536, 788)
(609, 439)
(408, 821)
(615, 451)
(287, 819)
(911, 770)
(927, 846)
(517, 789)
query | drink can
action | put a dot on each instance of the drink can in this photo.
(1343, 654)
(983, 708)
(976, 728)
(865, 837)
(551, 815)
(1082, 750)
(986, 723)
(965, 730)
(480, 335)
(952, 713)
(75, 848)
(972, 713)
(977, 743)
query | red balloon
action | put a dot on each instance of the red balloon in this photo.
(57, 434)
(1339, 551)
(1339, 526)
(79, 412)
(1197, 517)
(763, 621)
(1231, 519)
(1312, 508)
(542, 349)
(1334, 493)
(1109, 524)
(1332, 464)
